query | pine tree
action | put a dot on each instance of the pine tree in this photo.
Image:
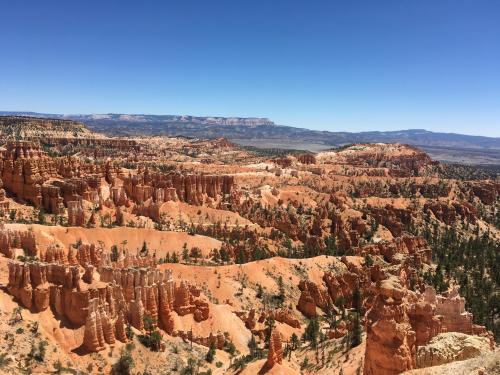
(252, 346)
(185, 253)
(144, 249)
(114, 253)
(311, 332)
(294, 341)
(356, 304)
(211, 353)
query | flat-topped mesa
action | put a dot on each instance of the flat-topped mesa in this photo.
(191, 188)
(11, 239)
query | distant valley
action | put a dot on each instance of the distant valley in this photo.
(264, 133)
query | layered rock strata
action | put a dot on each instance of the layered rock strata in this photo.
(16, 239)
(105, 299)
(400, 321)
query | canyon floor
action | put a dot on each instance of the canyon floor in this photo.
(159, 255)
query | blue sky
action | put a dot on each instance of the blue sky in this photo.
(334, 65)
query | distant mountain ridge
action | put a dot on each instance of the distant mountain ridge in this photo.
(143, 118)
(264, 133)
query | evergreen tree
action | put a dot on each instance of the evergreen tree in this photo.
(144, 249)
(253, 347)
(185, 253)
(211, 353)
(294, 341)
(311, 332)
(114, 253)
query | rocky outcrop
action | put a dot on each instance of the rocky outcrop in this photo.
(450, 307)
(218, 340)
(76, 214)
(390, 340)
(54, 254)
(4, 204)
(120, 332)
(400, 320)
(424, 321)
(20, 284)
(105, 299)
(450, 347)
(285, 316)
(394, 219)
(415, 247)
(24, 167)
(341, 286)
(347, 229)
(99, 146)
(252, 318)
(400, 160)
(449, 213)
(136, 310)
(487, 192)
(154, 293)
(16, 239)
(40, 285)
(306, 158)
(194, 189)
(311, 296)
(275, 353)
(50, 183)
(96, 324)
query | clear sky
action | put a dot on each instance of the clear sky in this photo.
(334, 65)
